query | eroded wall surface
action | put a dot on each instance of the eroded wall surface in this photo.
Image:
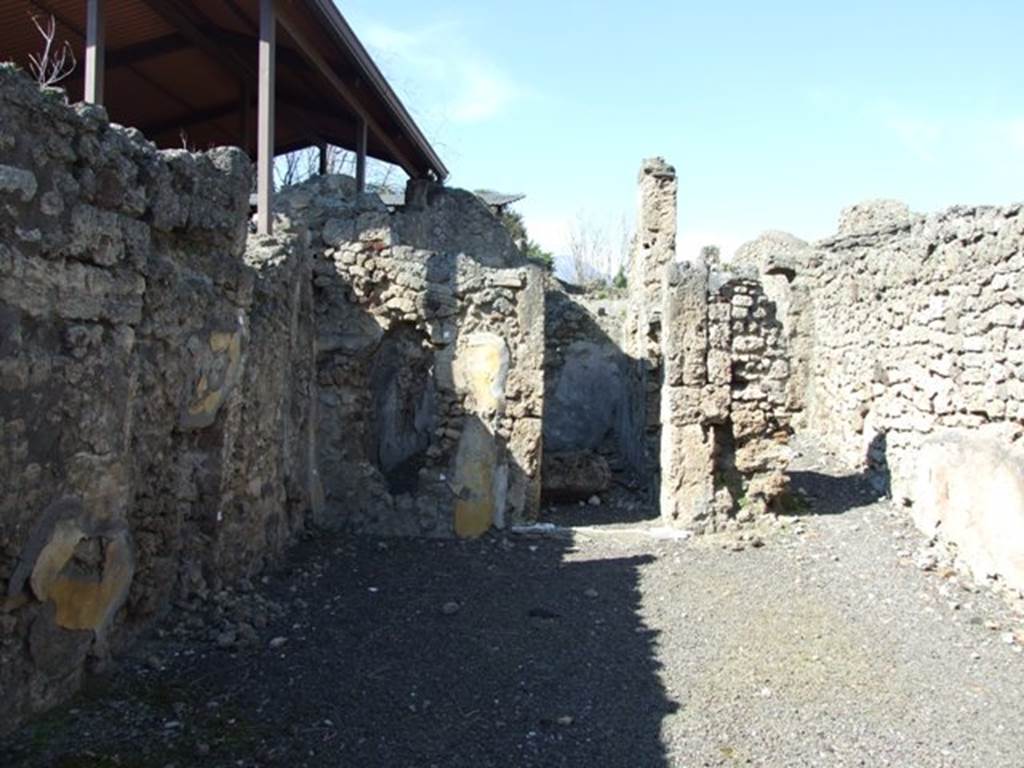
(179, 398)
(429, 363)
(157, 377)
(711, 385)
(912, 364)
(725, 425)
(916, 327)
(652, 254)
(593, 421)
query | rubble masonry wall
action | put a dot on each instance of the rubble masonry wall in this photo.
(911, 363)
(156, 400)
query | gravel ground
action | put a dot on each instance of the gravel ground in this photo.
(819, 642)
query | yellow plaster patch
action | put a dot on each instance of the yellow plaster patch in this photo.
(66, 536)
(208, 402)
(474, 477)
(89, 604)
(219, 341)
(83, 604)
(480, 370)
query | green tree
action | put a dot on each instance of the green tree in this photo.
(513, 221)
(538, 255)
(621, 282)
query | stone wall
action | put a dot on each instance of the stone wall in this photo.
(157, 407)
(711, 380)
(429, 363)
(915, 327)
(779, 259)
(591, 413)
(724, 421)
(912, 363)
(179, 398)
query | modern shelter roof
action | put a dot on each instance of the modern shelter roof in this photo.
(181, 70)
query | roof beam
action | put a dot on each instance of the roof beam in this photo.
(45, 7)
(265, 119)
(294, 106)
(151, 49)
(329, 12)
(172, 12)
(361, 146)
(326, 72)
(95, 47)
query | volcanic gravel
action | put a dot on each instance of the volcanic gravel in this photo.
(818, 642)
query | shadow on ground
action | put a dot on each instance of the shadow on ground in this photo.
(834, 494)
(830, 492)
(545, 663)
(622, 508)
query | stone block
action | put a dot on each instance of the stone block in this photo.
(575, 476)
(968, 487)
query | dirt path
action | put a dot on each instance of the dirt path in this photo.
(826, 646)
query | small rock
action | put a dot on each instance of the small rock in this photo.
(227, 640)
(450, 608)
(595, 501)
(247, 634)
(591, 594)
(927, 561)
(1009, 638)
(278, 642)
(566, 720)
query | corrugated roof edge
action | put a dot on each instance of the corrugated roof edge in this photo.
(333, 16)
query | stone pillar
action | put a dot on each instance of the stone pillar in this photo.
(656, 227)
(724, 423)
(654, 250)
(687, 439)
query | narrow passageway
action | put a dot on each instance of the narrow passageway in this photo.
(821, 643)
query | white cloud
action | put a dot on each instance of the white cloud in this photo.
(441, 67)
(486, 92)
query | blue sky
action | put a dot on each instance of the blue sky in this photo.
(776, 115)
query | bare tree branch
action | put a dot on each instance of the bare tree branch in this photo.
(56, 61)
(588, 250)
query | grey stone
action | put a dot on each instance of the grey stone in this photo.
(874, 216)
(19, 181)
(575, 476)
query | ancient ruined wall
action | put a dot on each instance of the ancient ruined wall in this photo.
(712, 375)
(916, 327)
(429, 369)
(917, 364)
(654, 250)
(724, 419)
(780, 260)
(448, 220)
(592, 417)
(156, 398)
